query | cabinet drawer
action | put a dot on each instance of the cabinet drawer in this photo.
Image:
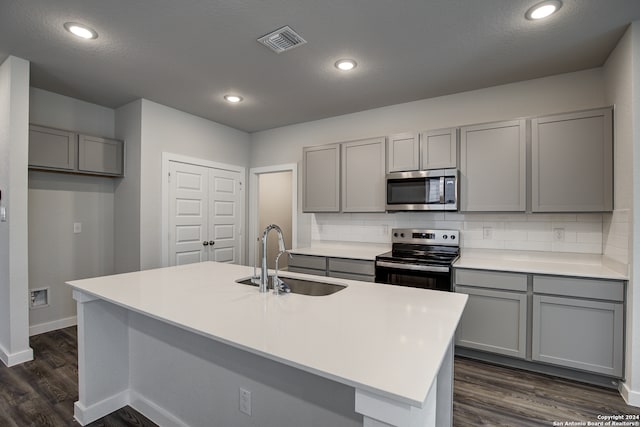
(307, 271)
(308, 261)
(612, 290)
(352, 266)
(349, 276)
(491, 279)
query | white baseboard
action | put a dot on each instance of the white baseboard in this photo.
(154, 412)
(630, 396)
(12, 359)
(41, 328)
(85, 415)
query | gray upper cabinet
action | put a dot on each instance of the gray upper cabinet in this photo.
(493, 167)
(572, 162)
(100, 155)
(439, 149)
(321, 178)
(403, 152)
(363, 174)
(51, 148)
(66, 151)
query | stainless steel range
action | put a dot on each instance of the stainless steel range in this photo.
(419, 258)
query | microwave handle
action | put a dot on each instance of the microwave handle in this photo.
(442, 190)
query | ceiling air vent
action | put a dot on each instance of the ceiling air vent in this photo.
(282, 39)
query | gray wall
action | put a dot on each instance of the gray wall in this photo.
(165, 129)
(560, 93)
(14, 119)
(56, 201)
(622, 73)
(127, 190)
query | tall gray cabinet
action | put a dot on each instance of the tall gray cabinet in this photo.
(493, 167)
(572, 162)
(321, 178)
(363, 173)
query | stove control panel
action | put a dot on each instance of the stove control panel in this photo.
(428, 237)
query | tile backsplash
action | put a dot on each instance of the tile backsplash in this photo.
(582, 233)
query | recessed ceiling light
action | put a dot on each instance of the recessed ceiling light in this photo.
(233, 98)
(346, 64)
(544, 9)
(80, 30)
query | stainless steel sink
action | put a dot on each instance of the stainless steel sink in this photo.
(302, 286)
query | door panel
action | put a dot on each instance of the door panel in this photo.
(224, 202)
(188, 213)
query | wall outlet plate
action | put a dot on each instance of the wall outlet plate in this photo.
(558, 234)
(245, 401)
(487, 233)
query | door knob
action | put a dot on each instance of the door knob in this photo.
(205, 243)
(211, 242)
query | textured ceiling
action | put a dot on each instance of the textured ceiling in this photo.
(187, 54)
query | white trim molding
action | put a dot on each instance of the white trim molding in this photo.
(632, 397)
(41, 328)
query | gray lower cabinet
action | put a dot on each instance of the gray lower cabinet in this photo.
(363, 174)
(66, 151)
(560, 182)
(51, 148)
(495, 318)
(100, 155)
(343, 268)
(352, 269)
(308, 264)
(321, 178)
(493, 167)
(583, 332)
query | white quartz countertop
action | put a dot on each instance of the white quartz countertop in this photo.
(384, 339)
(563, 264)
(364, 251)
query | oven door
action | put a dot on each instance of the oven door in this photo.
(415, 276)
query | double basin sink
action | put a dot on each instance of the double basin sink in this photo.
(301, 286)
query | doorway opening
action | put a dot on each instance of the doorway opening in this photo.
(273, 197)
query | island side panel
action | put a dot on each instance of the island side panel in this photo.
(179, 377)
(436, 410)
(103, 358)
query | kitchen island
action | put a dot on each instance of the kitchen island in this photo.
(188, 346)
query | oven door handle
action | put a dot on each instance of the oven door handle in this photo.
(413, 267)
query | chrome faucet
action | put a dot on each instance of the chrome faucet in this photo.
(264, 276)
(279, 286)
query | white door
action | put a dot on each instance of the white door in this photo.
(225, 189)
(204, 214)
(188, 213)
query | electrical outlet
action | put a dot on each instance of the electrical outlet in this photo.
(77, 227)
(245, 401)
(558, 234)
(487, 233)
(39, 298)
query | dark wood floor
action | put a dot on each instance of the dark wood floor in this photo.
(42, 392)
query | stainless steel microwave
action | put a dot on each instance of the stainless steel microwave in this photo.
(430, 190)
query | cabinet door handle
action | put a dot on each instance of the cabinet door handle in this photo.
(211, 242)
(205, 243)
